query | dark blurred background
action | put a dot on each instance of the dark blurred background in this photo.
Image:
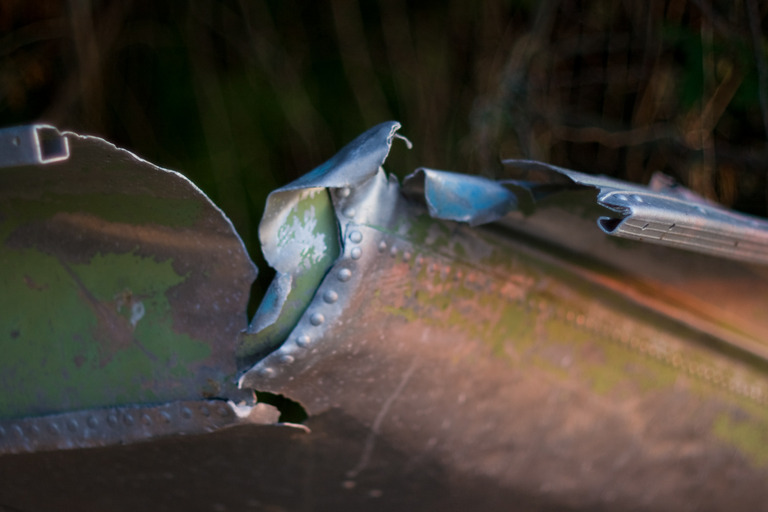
(244, 96)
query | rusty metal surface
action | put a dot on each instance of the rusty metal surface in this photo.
(123, 285)
(533, 364)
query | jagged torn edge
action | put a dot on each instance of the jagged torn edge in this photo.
(662, 213)
(354, 165)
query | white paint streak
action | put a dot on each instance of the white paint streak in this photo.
(297, 239)
(137, 312)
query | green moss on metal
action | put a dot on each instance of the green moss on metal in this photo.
(748, 436)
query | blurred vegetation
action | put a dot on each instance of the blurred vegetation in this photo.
(244, 96)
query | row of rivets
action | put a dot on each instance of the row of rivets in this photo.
(72, 426)
(661, 353)
(329, 297)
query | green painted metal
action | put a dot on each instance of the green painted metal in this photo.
(122, 284)
(306, 245)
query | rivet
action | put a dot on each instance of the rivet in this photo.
(356, 237)
(621, 197)
(636, 198)
(344, 274)
(186, 413)
(382, 246)
(406, 256)
(330, 296)
(92, 422)
(355, 253)
(349, 212)
(287, 359)
(72, 425)
(267, 372)
(146, 420)
(205, 411)
(303, 340)
(112, 420)
(344, 192)
(128, 420)
(316, 319)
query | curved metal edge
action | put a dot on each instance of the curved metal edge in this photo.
(360, 191)
(460, 197)
(177, 175)
(121, 425)
(38, 145)
(659, 213)
(350, 168)
(304, 347)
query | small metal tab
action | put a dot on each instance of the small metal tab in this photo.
(32, 145)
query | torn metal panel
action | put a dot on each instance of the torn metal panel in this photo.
(300, 231)
(460, 197)
(531, 360)
(122, 283)
(663, 214)
(512, 359)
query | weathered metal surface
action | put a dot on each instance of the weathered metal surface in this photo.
(660, 214)
(122, 283)
(532, 362)
(536, 368)
(127, 424)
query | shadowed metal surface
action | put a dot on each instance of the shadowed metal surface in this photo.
(122, 285)
(529, 363)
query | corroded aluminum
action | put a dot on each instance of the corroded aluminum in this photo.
(506, 358)
(532, 362)
(129, 424)
(661, 215)
(359, 190)
(123, 285)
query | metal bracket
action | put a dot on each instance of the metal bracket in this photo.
(32, 145)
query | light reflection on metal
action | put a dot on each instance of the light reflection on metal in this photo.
(531, 359)
(663, 215)
(32, 145)
(123, 286)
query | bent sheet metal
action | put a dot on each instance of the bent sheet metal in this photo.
(457, 342)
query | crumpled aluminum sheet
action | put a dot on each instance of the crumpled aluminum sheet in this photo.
(529, 362)
(659, 214)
